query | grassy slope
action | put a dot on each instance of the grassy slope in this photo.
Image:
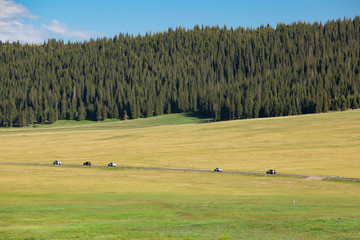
(322, 144)
(56, 202)
(51, 202)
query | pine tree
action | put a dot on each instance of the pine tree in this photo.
(51, 116)
(81, 112)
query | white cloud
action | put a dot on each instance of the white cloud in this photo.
(14, 30)
(11, 9)
(13, 26)
(16, 24)
(60, 28)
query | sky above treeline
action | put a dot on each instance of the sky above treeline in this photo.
(36, 21)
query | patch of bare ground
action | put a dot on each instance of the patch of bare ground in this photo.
(314, 178)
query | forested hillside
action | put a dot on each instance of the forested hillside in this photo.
(226, 73)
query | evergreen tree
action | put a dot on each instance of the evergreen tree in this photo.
(81, 112)
(227, 73)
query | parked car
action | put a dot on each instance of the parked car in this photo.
(271, 171)
(56, 162)
(87, 164)
(112, 164)
(218, 169)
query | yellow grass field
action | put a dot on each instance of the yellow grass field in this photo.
(54, 180)
(320, 144)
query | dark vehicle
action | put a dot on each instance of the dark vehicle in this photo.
(112, 164)
(56, 162)
(87, 164)
(271, 171)
(217, 170)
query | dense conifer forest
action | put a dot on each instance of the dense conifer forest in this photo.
(225, 73)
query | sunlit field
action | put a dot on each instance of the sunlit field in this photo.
(321, 144)
(63, 202)
(58, 202)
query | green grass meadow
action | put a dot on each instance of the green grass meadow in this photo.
(46, 202)
(61, 202)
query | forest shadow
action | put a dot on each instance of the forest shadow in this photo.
(203, 117)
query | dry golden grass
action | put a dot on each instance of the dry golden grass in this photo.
(27, 179)
(321, 144)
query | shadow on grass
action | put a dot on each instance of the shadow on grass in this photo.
(203, 117)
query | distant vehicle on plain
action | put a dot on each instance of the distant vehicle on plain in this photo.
(271, 171)
(56, 162)
(112, 164)
(218, 169)
(87, 164)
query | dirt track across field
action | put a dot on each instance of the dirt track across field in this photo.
(308, 177)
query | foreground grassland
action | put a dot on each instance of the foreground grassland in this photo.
(57, 202)
(319, 144)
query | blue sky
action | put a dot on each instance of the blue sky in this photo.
(33, 21)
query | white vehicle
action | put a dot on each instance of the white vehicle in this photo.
(112, 164)
(218, 169)
(56, 162)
